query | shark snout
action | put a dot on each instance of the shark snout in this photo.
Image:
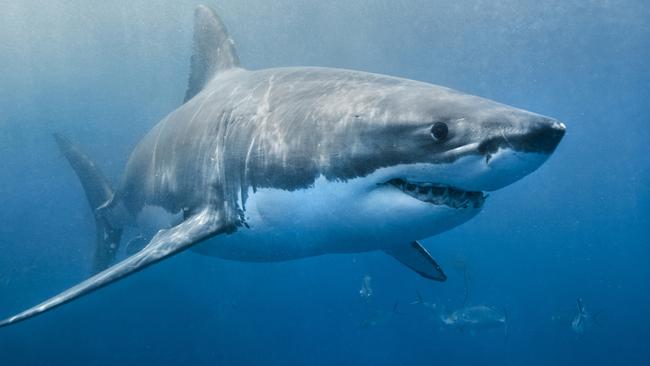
(515, 151)
(541, 137)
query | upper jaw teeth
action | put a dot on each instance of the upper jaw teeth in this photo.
(439, 194)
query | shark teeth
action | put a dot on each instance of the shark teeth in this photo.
(438, 194)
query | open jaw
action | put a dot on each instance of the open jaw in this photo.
(439, 194)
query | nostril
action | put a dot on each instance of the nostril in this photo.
(490, 146)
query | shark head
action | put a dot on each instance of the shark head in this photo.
(436, 136)
(427, 155)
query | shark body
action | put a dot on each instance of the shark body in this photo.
(287, 163)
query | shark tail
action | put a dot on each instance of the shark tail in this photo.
(99, 193)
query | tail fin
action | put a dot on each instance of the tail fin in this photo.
(98, 192)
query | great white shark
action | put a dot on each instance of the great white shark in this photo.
(287, 163)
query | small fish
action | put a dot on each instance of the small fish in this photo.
(366, 288)
(378, 317)
(477, 317)
(583, 320)
(580, 320)
(432, 307)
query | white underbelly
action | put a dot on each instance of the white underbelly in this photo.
(329, 217)
(284, 225)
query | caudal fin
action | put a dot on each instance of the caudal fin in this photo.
(98, 192)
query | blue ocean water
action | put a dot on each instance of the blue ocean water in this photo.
(104, 73)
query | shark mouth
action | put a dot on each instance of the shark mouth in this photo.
(438, 194)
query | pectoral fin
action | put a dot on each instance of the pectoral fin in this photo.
(418, 259)
(195, 229)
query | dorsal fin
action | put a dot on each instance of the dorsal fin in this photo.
(212, 51)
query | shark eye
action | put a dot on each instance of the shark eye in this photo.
(439, 131)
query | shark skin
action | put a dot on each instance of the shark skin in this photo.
(286, 163)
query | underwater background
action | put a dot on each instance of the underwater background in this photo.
(103, 73)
